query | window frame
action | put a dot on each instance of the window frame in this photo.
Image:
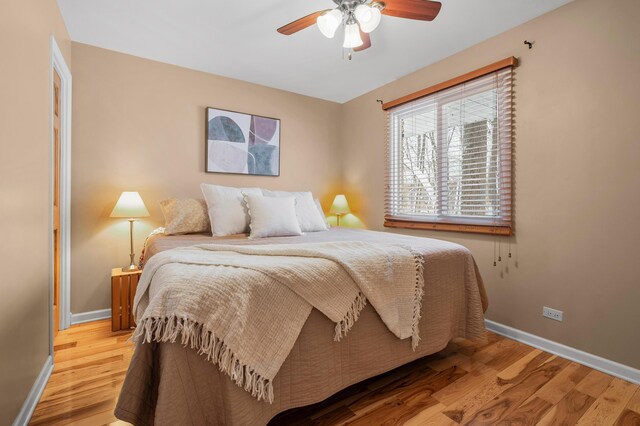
(441, 221)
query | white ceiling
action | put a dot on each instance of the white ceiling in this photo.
(238, 39)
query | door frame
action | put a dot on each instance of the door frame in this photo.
(60, 66)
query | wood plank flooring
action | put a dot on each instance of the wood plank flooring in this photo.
(90, 362)
(497, 382)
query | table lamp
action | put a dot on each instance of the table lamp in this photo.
(131, 206)
(340, 207)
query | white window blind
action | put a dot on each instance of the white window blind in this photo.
(449, 155)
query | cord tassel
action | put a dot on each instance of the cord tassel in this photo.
(494, 251)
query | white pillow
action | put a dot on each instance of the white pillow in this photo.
(324, 216)
(310, 218)
(272, 216)
(227, 210)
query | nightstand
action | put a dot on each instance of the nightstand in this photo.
(123, 290)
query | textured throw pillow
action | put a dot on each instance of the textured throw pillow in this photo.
(227, 209)
(187, 216)
(310, 218)
(272, 216)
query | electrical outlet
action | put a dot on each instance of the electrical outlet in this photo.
(553, 314)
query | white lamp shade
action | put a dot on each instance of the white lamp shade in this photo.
(329, 22)
(340, 205)
(368, 17)
(352, 37)
(130, 205)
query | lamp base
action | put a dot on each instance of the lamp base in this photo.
(130, 268)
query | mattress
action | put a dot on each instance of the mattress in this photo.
(168, 384)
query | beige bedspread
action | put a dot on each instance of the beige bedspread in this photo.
(168, 384)
(243, 306)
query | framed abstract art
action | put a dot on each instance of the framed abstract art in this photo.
(242, 143)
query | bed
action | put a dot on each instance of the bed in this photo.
(168, 384)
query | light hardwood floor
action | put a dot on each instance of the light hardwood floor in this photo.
(499, 382)
(90, 362)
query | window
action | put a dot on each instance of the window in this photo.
(449, 157)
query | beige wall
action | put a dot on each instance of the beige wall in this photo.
(577, 174)
(139, 125)
(25, 85)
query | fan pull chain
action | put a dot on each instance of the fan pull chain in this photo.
(509, 247)
(499, 250)
(347, 54)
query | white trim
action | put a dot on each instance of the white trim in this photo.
(29, 405)
(58, 63)
(90, 316)
(597, 363)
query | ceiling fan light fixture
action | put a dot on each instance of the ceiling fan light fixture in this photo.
(329, 22)
(368, 17)
(352, 36)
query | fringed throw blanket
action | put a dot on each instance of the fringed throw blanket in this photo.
(243, 306)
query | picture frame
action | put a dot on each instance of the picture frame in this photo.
(241, 143)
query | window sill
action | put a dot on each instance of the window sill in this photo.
(451, 227)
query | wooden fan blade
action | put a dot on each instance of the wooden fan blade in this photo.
(421, 10)
(301, 24)
(366, 41)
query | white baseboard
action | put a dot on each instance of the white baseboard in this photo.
(90, 316)
(24, 416)
(597, 363)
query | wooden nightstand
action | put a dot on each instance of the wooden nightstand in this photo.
(123, 290)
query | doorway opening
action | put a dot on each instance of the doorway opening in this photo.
(60, 191)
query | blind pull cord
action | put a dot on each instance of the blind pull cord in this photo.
(494, 251)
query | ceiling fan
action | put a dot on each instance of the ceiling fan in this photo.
(361, 17)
